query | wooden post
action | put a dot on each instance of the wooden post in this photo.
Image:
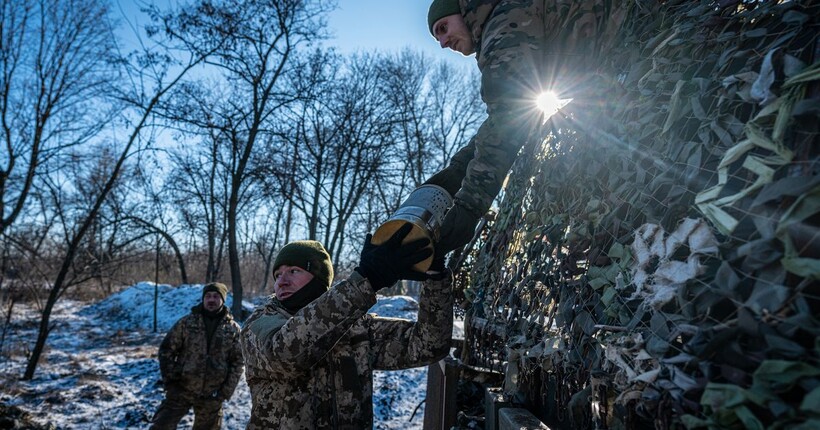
(440, 406)
(494, 400)
(448, 418)
(435, 389)
(156, 284)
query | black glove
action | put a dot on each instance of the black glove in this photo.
(437, 265)
(457, 228)
(169, 385)
(214, 395)
(437, 270)
(385, 264)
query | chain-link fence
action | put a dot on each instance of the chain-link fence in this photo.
(655, 260)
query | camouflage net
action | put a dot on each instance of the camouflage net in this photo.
(655, 261)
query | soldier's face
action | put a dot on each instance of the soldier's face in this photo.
(451, 32)
(212, 301)
(288, 280)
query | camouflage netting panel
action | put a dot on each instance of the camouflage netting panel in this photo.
(655, 260)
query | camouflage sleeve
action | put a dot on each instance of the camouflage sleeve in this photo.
(302, 340)
(509, 58)
(451, 176)
(400, 344)
(236, 363)
(169, 350)
(528, 47)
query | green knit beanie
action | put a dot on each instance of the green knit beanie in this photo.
(219, 287)
(309, 255)
(439, 9)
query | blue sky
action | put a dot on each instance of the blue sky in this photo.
(358, 25)
(387, 25)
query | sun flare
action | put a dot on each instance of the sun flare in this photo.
(549, 103)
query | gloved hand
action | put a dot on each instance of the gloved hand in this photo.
(170, 378)
(437, 270)
(457, 228)
(169, 385)
(385, 264)
(213, 395)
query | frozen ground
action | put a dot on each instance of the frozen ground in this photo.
(100, 369)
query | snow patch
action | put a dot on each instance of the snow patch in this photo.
(100, 367)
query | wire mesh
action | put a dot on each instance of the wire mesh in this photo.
(654, 260)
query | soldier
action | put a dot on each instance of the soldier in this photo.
(523, 48)
(311, 349)
(201, 362)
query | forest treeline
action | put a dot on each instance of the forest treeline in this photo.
(190, 149)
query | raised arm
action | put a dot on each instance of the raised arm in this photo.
(400, 344)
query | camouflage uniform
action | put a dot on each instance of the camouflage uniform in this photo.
(522, 48)
(193, 370)
(314, 369)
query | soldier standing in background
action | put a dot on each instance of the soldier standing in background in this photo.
(201, 362)
(311, 350)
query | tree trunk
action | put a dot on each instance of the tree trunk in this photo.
(183, 273)
(233, 260)
(74, 245)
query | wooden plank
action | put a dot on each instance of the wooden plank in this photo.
(441, 410)
(433, 404)
(450, 409)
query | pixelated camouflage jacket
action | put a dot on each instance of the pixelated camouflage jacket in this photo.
(476, 13)
(314, 369)
(525, 47)
(186, 360)
(528, 41)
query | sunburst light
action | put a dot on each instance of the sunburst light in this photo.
(549, 103)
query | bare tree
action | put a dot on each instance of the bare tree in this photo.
(32, 251)
(54, 65)
(268, 240)
(168, 238)
(264, 36)
(199, 183)
(368, 128)
(436, 108)
(363, 116)
(160, 71)
(156, 216)
(404, 83)
(113, 241)
(103, 250)
(336, 143)
(306, 141)
(456, 111)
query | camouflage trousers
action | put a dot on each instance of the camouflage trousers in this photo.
(177, 403)
(527, 47)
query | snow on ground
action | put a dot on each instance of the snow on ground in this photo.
(100, 366)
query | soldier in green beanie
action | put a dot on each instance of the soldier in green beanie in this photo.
(523, 49)
(200, 360)
(310, 351)
(304, 257)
